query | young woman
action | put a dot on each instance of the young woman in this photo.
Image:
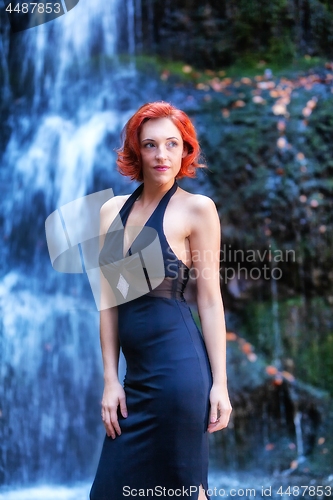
(157, 425)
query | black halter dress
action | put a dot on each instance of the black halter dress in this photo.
(163, 447)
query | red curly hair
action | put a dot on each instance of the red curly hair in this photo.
(129, 158)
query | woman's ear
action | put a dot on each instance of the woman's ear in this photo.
(185, 150)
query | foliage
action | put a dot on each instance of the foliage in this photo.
(305, 329)
(218, 32)
(271, 174)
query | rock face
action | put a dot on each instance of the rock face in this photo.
(278, 423)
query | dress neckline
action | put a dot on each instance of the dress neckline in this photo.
(130, 202)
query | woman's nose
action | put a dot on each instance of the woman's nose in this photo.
(160, 153)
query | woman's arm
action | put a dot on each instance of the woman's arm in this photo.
(114, 393)
(205, 245)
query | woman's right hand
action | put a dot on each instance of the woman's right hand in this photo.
(113, 395)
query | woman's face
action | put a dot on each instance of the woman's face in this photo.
(162, 150)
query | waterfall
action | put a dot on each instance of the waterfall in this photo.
(276, 325)
(138, 32)
(131, 27)
(63, 114)
(57, 49)
(275, 316)
(298, 430)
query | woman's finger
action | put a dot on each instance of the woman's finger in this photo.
(114, 420)
(221, 423)
(123, 407)
(213, 412)
(107, 423)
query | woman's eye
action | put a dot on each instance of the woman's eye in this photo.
(173, 144)
(148, 144)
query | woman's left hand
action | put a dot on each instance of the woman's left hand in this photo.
(219, 399)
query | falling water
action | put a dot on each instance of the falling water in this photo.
(298, 431)
(138, 32)
(275, 316)
(131, 27)
(57, 151)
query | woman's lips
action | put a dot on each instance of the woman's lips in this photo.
(161, 168)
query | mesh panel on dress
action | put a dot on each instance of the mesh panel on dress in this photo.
(172, 288)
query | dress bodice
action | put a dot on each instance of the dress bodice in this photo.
(175, 273)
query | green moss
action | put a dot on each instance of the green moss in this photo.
(247, 64)
(304, 331)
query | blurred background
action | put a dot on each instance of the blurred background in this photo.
(256, 79)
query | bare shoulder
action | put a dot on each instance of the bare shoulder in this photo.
(197, 202)
(110, 209)
(200, 209)
(201, 203)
